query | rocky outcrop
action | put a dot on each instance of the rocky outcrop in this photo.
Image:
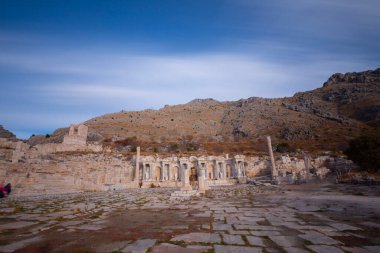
(299, 133)
(7, 134)
(370, 76)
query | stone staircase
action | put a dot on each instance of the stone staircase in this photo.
(183, 195)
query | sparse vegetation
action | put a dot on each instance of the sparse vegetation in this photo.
(174, 147)
(284, 147)
(365, 151)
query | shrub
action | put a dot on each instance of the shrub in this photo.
(174, 147)
(365, 152)
(192, 147)
(283, 147)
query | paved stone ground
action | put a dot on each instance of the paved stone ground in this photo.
(243, 218)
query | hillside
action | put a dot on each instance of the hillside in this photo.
(325, 118)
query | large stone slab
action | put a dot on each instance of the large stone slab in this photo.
(295, 250)
(16, 225)
(19, 244)
(218, 226)
(265, 233)
(198, 237)
(318, 238)
(139, 246)
(111, 247)
(255, 227)
(343, 227)
(324, 249)
(256, 241)
(171, 248)
(89, 227)
(232, 239)
(286, 241)
(235, 249)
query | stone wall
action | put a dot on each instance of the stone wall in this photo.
(62, 168)
(77, 135)
(62, 173)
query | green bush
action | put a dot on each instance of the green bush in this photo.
(365, 152)
(283, 147)
(192, 147)
(174, 147)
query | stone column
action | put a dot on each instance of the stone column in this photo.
(307, 168)
(151, 171)
(162, 174)
(201, 181)
(143, 175)
(137, 170)
(169, 171)
(185, 177)
(179, 171)
(274, 170)
(240, 169)
(224, 170)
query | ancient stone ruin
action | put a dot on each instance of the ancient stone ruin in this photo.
(77, 135)
(75, 165)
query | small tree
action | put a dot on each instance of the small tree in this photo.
(365, 151)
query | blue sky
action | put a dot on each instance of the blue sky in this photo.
(64, 62)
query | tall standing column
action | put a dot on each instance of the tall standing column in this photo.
(179, 176)
(185, 178)
(151, 170)
(224, 168)
(307, 168)
(162, 174)
(144, 172)
(137, 170)
(201, 181)
(274, 170)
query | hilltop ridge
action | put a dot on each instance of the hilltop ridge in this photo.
(325, 118)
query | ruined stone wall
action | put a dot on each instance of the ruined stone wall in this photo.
(257, 166)
(77, 135)
(60, 173)
(60, 168)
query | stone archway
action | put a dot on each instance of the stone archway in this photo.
(147, 172)
(214, 172)
(166, 172)
(157, 173)
(210, 171)
(193, 174)
(228, 171)
(175, 173)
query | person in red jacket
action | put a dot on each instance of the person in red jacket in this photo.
(5, 190)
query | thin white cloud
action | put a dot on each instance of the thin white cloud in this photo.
(175, 78)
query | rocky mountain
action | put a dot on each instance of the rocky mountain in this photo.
(325, 118)
(7, 134)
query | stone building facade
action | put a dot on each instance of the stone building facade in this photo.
(168, 171)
